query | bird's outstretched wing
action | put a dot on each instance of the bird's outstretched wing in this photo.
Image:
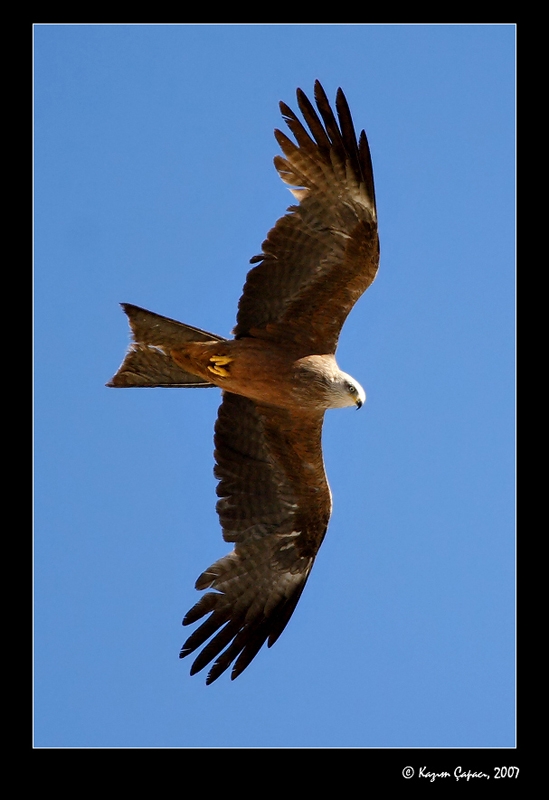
(324, 253)
(274, 505)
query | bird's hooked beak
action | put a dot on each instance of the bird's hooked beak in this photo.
(360, 397)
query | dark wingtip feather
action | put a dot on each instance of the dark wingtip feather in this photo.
(194, 669)
(366, 166)
(311, 118)
(332, 129)
(348, 132)
(206, 604)
(286, 111)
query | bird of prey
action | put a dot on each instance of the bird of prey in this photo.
(278, 375)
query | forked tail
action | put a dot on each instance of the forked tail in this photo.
(148, 361)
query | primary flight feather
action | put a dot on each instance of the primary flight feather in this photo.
(278, 376)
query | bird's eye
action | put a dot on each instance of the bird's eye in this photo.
(352, 389)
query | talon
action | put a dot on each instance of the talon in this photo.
(220, 360)
(219, 370)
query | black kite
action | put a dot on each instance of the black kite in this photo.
(278, 375)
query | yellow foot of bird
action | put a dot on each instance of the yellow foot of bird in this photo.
(218, 362)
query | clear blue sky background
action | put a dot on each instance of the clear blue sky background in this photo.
(154, 185)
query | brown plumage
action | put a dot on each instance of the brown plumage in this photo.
(278, 375)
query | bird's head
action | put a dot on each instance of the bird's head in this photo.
(346, 391)
(320, 383)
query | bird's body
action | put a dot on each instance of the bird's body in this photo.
(278, 376)
(267, 373)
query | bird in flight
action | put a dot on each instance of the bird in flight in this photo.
(278, 375)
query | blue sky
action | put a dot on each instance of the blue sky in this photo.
(154, 185)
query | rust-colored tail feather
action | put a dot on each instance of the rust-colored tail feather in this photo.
(148, 362)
